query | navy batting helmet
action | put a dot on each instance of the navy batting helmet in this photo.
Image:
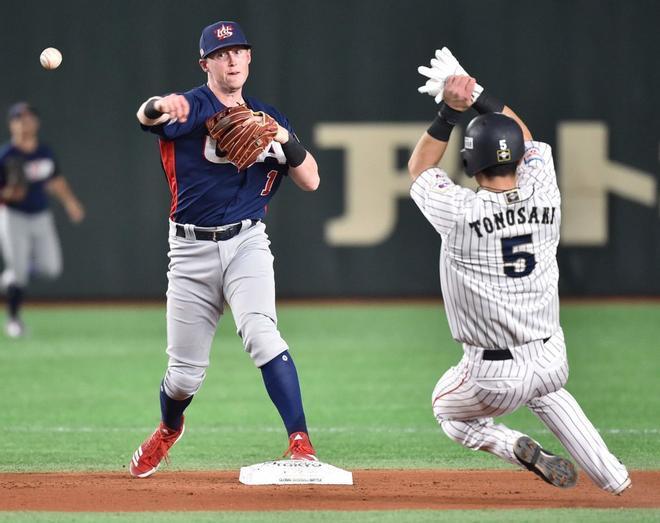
(492, 139)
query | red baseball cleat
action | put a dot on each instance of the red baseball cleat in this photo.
(148, 456)
(300, 447)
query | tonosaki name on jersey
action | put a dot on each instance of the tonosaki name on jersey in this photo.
(498, 266)
(38, 167)
(206, 189)
(510, 217)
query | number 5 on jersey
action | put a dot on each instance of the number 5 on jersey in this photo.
(511, 257)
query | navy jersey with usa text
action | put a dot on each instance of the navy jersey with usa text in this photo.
(207, 190)
(37, 169)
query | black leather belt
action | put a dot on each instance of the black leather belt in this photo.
(497, 354)
(213, 236)
(500, 354)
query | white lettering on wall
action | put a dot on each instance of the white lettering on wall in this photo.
(587, 176)
(374, 183)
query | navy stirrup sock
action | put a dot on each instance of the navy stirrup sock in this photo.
(281, 380)
(14, 300)
(171, 411)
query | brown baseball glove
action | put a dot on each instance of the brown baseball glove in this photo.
(241, 134)
(16, 185)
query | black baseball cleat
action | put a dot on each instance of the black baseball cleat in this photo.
(554, 469)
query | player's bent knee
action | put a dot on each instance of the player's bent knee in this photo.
(51, 269)
(456, 431)
(261, 339)
(181, 382)
(52, 272)
(449, 427)
(14, 278)
(439, 411)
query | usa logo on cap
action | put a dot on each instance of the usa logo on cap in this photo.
(224, 31)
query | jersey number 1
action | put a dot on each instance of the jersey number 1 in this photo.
(510, 256)
(272, 175)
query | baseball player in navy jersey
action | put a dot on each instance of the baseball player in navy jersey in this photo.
(28, 238)
(219, 250)
(499, 278)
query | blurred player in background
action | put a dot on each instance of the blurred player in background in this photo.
(29, 241)
(219, 249)
(499, 277)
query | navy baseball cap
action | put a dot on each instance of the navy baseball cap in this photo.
(19, 109)
(219, 35)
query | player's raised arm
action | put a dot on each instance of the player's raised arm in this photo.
(303, 168)
(432, 145)
(527, 135)
(485, 103)
(442, 67)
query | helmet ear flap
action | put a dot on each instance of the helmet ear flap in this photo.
(464, 160)
(465, 165)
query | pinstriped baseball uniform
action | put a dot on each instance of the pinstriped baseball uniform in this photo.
(499, 279)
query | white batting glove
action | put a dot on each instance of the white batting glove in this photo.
(443, 65)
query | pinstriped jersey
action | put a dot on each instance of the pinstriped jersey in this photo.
(498, 265)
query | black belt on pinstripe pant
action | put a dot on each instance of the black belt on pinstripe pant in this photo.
(500, 354)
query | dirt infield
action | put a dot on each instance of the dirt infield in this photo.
(373, 490)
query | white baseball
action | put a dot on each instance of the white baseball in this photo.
(50, 58)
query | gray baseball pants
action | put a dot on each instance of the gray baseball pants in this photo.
(29, 244)
(202, 276)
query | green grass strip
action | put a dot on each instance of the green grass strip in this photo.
(80, 392)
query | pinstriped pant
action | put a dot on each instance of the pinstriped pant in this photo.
(471, 394)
